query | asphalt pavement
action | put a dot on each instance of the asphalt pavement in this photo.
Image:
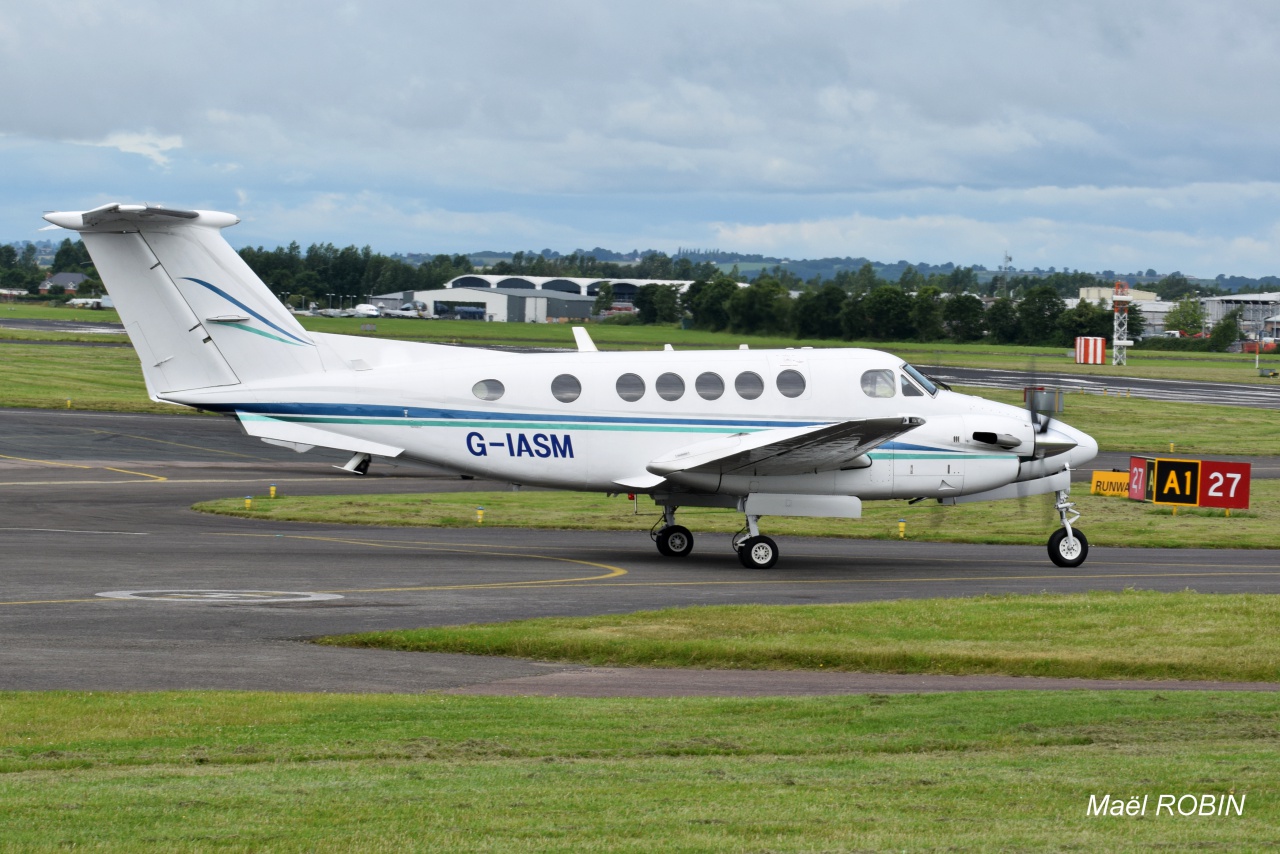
(110, 582)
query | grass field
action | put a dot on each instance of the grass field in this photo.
(279, 772)
(1210, 367)
(1099, 635)
(1105, 521)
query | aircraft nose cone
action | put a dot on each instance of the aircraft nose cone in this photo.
(1078, 446)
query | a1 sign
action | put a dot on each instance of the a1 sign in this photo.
(1175, 482)
(1224, 485)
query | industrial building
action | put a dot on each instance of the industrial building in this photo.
(500, 305)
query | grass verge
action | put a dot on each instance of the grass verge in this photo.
(248, 772)
(1099, 635)
(1106, 521)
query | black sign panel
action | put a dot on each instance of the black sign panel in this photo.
(1175, 482)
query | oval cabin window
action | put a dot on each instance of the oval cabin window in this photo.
(791, 383)
(630, 387)
(748, 385)
(669, 387)
(709, 386)
(566, 388)
(488, 389)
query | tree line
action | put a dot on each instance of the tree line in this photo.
(863, 307)
(325, 271)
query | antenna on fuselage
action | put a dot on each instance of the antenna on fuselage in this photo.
(583, 339)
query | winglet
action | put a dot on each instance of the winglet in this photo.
(583, 339)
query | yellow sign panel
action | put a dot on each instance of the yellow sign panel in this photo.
(1110, 483)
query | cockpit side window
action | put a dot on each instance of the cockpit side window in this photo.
(909, 389)
(877, 383)
(925, 383)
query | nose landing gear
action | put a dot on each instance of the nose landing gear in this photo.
(1068, 546)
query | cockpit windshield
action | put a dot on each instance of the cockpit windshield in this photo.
(925, 383)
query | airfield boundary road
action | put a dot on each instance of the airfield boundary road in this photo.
(98, 503)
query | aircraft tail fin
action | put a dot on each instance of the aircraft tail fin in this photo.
(195, 312)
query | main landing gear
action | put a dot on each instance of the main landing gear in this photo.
(1068, 546)
(754, 551)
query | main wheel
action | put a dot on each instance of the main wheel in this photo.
(1066, 551)
(675, 541)
(758, 553)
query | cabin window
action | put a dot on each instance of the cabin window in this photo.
(877, 383)
(709, 386)
(791, 383)
(748, 385)
(669, 387)
(488, 389)
(566, 388)
(630, 387)
(909, 389)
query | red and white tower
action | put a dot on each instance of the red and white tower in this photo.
(1120, 342)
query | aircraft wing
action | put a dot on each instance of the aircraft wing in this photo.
(790, 450)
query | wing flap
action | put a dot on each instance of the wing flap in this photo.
(791, 450)
(266, 427)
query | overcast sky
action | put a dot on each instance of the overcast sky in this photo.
(1089, 135)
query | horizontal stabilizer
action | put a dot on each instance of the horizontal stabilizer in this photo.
(785, 451)
(266, 427)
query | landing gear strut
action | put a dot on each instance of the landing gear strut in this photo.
(672, 540)
(754, 550)
(358, 464)
(1068, 546)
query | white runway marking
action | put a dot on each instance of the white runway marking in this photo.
(240, 597)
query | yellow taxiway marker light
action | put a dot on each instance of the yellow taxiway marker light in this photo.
(248, 502)
(479, 515)
(902, 529)
(273, 490)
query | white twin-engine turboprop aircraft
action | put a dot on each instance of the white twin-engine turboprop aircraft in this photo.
(794, 432)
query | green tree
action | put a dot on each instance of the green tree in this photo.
(1038, 315)
(1174, 287)
(963, 316)
(888, 314)
(853, 317)
(926, 313)
(1226, 331)
(911, 280)
(657, 304)
(604, 298)
(1002, 321)
(71, 258)
(707, 302)
(1085, 320)
(1187, 316)
(816, 312)
(8, 257)
(763, 306)
(961, 280)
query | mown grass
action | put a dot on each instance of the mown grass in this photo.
(93, 378)
(1106, 521)
(1099, 635)
(1006, 771)
(1209, 367)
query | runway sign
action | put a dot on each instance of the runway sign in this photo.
(1224, 485)
(1109, 483)
(1140, 478)
(1175, 482)
(1190, 483)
